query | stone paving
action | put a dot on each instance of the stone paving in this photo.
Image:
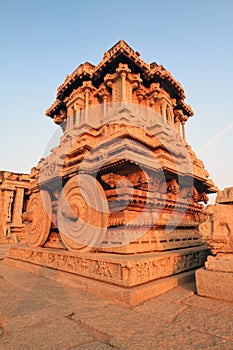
(38, 313)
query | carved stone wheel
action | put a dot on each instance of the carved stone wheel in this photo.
(82, 213)
(37, 219)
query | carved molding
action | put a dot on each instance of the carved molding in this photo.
(120, 271)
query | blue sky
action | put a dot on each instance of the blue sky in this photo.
(43, 41)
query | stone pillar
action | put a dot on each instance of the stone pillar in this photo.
(153, 96)
(68, 123)
(171, 108)
(78, 117)
(178, 115)
(87, 88)
(86, 98)
(177, 124)
(7, 208)
(183, 121)
(123, 70)
(86, 104)
(104, 95)
(71, 116)
(123, 87)
(170, 115)
(105, 99)
(18, 206)
(163, 108)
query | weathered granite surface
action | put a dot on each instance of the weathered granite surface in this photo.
(38, 313)
(216, 279)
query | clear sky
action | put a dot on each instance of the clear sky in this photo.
(43, 41)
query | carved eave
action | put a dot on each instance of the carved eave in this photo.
(185, 108)
(206, 186)
(120, 50)
(8, 179)
(211, 186)
(148, 71)
(120, 53)
(55, 108)
(83, 72)
(167, 78)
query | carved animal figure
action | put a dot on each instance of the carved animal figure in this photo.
(217, 229)
(169, 186)
(194, 194)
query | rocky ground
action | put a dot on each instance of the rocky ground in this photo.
(38, 313)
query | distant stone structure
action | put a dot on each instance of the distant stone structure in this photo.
(216, 279)
(120, 195)
(13, 200)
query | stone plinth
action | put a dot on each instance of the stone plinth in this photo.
(214, 284)
(216, 279)
(124, 279)
(220, 263)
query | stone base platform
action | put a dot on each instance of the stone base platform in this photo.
(124, 279)
(215, 284)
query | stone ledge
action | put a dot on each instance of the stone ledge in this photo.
(215, 284)
(118, 294)
(120, 270)
(220, 263)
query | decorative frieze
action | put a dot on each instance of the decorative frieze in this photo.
(127, 271)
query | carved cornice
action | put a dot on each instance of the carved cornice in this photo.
(8, 178)
(54, 108)
(87, 86)
(186, 108)
(165, 75)
(85, 69)
(103, 91)
(116, 50)
(148, 72)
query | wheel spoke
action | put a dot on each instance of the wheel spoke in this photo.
(82, 213)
